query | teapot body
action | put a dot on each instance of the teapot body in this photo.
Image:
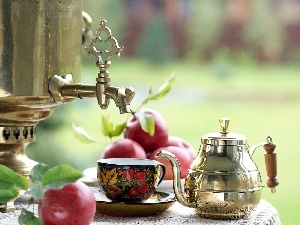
(223, 181)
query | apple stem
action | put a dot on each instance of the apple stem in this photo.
(34, 201)
(133, 113)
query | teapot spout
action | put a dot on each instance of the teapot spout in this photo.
(178, 190)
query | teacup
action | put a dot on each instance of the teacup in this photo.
(129, 179)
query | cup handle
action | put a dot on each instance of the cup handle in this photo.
(163, 167)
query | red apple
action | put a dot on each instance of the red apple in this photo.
(124, 148)
(179, 142)
(73, 204)
(149, 142)
(181, 154)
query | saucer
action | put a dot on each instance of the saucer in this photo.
(167, 186)
(90, 172)
(158, 203)
(90, 177)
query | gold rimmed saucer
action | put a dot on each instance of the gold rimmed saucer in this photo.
(90, 177)
(158, 203)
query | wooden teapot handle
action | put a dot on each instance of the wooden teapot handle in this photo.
(271, 163)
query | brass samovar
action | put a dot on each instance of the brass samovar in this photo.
(40, 66)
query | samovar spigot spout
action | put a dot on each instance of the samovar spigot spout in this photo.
(121, 96)
(104, 91)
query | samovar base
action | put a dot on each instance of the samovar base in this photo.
(13, 141)
(19, 116)
(14, 157)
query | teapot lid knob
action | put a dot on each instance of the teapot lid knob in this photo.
(224, 123)
(224, 137)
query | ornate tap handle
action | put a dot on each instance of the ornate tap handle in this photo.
(271, 163)
(104, 56)
(104, 90)
(61, 88)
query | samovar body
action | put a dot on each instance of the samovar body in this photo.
(38, 39)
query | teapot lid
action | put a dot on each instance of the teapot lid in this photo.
(224, 137)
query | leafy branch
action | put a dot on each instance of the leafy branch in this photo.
(110, 130)
(162, 91)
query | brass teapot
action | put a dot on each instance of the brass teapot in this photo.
(223, 182)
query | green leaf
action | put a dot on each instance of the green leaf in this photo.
(148, 96)
(23, 182)
(28, 218)
(7, 195)
(35, 221)
(109, 129)
(147, 122)
(164, 89)
(36, 192)
(118, 129)
(106, 127)
(150, 90)
(9, 179)
(81, 135)
(59, 176)
(38, 172)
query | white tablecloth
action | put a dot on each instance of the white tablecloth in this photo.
(263, 214)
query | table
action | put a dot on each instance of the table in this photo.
(264, 214)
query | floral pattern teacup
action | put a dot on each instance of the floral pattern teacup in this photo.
(129, 179)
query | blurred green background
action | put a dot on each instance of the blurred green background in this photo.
(238, 59)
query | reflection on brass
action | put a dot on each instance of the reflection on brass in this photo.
(223, 182)
(42, 41)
